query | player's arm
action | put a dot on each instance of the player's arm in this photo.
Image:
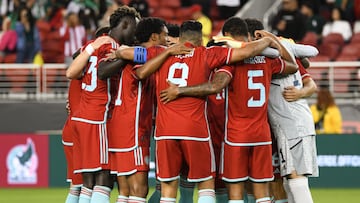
(221, 80)
(109, 68)
(152, 65)
(300, 50)
(76, 67)
(292, 94)
(251, 49)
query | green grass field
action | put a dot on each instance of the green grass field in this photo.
(57, 195)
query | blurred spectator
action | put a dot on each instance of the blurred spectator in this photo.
(104, 21)
(290, 22)
(88, 12)
(337, 25)
(141, 6)
(55, 14)
(326, 114)
(8, 39)
(347, 8)
(173, 34)
(314, 21)
(228, 8)
(206, 23)
(74, 35)
(28, 43)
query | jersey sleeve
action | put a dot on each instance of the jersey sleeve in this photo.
(227, 69)
(277, 65)
(154, 51)
(105, 49)
(304, 74)
(218, 56)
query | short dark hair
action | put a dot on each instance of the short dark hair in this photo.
(235, 26)
(190, 25)
(120, 13)
(192, 31)
(148, 26)
(253, 25)
(174, 30)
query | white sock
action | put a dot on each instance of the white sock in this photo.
(85, 195)
(289, 195)
(236, 201)
(167, 200)
(101, 194)
(263, 200)
(122, 199)
(133, 199)
(299, 188)
(206, 196)
(73, 196)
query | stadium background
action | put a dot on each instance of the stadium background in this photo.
(36, 111)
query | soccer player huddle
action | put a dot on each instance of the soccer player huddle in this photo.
(210, 109)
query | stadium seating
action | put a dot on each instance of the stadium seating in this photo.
(350, 52)
(333, 38)
(330, 50)
(310, 38)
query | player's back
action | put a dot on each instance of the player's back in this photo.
(186, 116)
(247, 100)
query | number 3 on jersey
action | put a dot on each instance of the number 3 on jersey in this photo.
(256, 86)
(93, 72)
(184, 68)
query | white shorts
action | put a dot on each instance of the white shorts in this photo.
(299, 155)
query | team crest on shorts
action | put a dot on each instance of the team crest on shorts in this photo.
(22, 163)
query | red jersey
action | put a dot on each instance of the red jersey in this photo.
(95, 97)
(216, 117)
(247, 99)
(74, 94)
(185, 118)
(131, 122)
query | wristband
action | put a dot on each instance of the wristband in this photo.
(89, 49)
(140, 54)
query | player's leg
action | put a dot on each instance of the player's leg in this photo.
(138, 183)
(123, 189)
(75, 181)
(236, 192)
(169, 160)
(202, 171)
(277, 191)
(103, 186)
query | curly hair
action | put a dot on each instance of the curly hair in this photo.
(122, 12)
(148, 26)
(235, 26)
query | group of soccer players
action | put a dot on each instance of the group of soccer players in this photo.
(209, 105)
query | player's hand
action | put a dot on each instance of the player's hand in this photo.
(101, 40)
(179, 49)
(114, 54)
(230, 42)
(169, 94)
(292, 94)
